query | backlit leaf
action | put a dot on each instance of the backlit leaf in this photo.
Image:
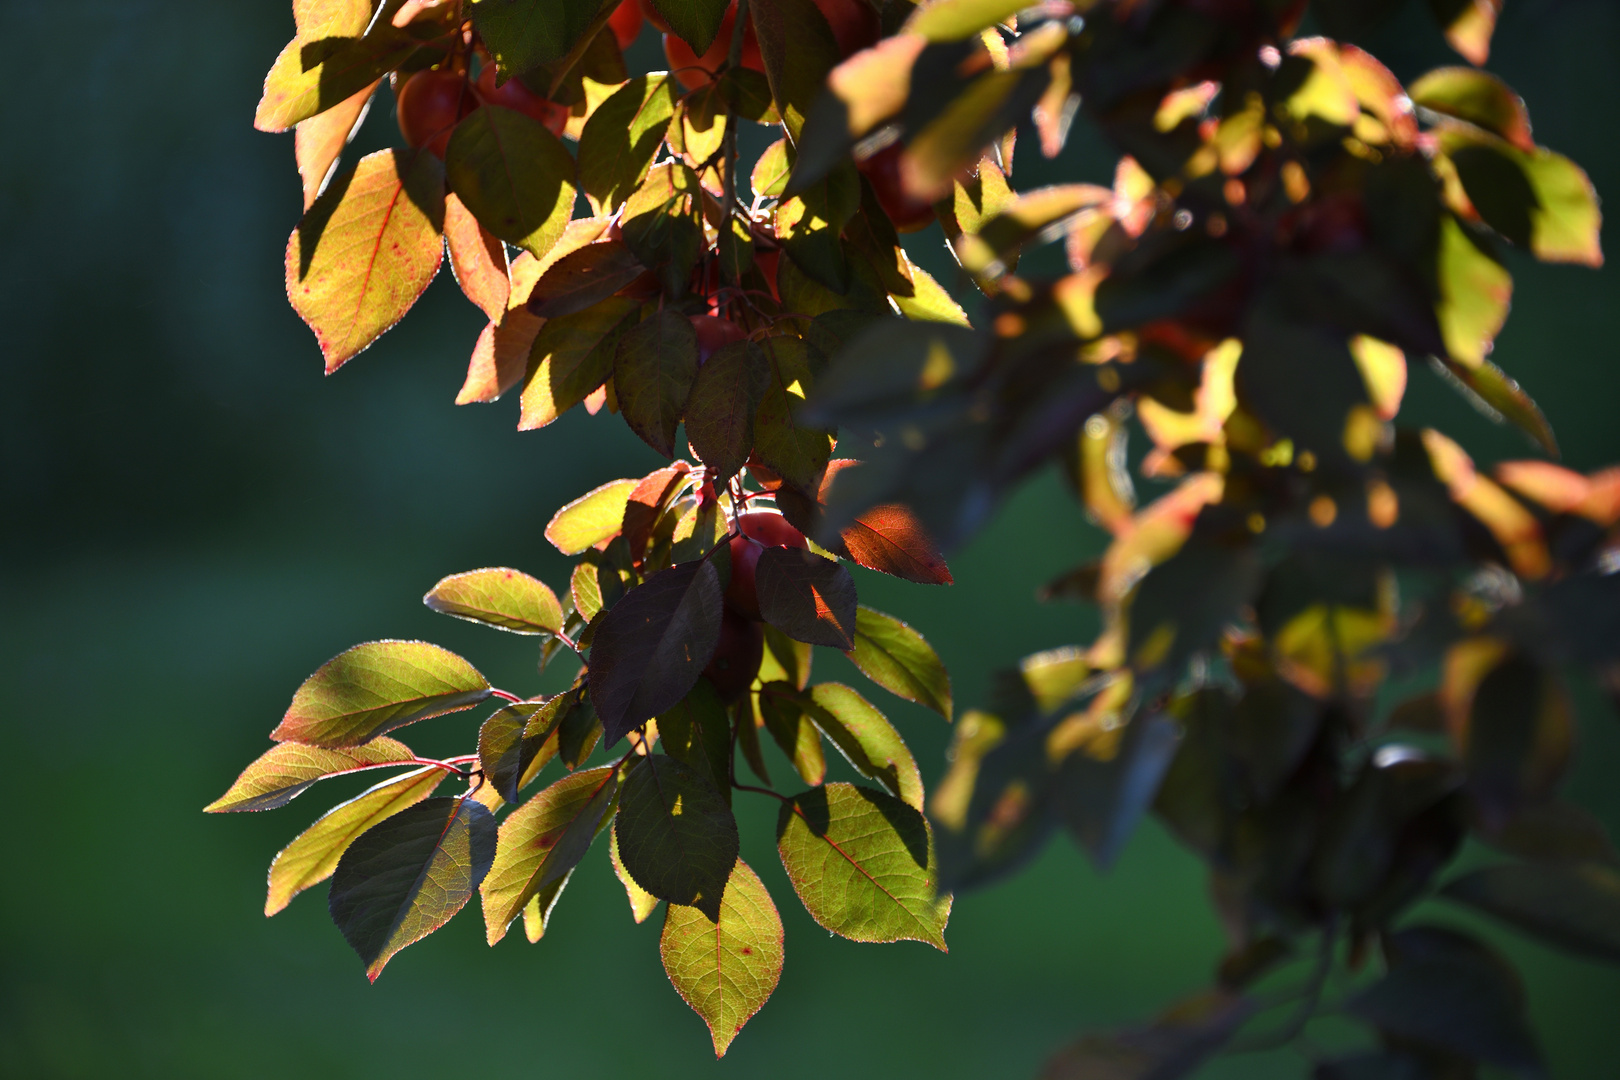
(863, 864)
(584, 277)
(782, 440)
(652, 646)
(642, 902)
(1539, 200)
(311, 858)
(542, 841)
(953, 20)
(647, 504)
(478, 260)
(1575, 907)
(572, 356)
(807, 597)
(511, 741)
(1477, 97)
(661, 223)
(374, 688)
(1496, 394)
(320, 69)
(287, 770)
(896, 657)
(867, 740)
(514, 175)
(500, 357)
(500, 597)
(1469, 25)
(622, 137)
(771, 170)
(366, 249)
(808, 225)
(891, 540)
(319, 140)
(782, 709)
(524, 34)
(675, 834)
(408, 875)
(720, 410)
(653, 371)
(1474, 293)
(591, 518)
(725, 968)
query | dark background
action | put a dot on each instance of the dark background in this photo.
(194, 519)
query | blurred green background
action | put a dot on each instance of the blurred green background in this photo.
(195, 519)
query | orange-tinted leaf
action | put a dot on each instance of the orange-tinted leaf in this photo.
(1477, 97)
(319, 140)
(366, 249)
(477, 258)
(1469, 25)
(572, 356)
(500, 357)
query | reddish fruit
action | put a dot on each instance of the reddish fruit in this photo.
(714, 334)
(694, 71)
(625, 22)
(737, 656)
(760, 529)
(513, 95)
(651, 14)
(882, 170)
(855, 25)
(431, 104)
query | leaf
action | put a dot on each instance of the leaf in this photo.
(584, 277)
(542, 841)
(500, 357)
(798, 49)
(725, 968)
(676, 835)
(1102, 801)
(571, 357)
(514, 175)
(590, 519)
(525, 34)
(500, 597)
(647, 505)
(652, 646)
(512, 740)
(653, 371)
(863, 864)
(622, 137)
(1451, 992)
(771, 170)
(661, 222)
(1031, 216)
(954, 20)
(319, 140)
(1475, 97)
(1498, 396)
(720, 411)
(287, 770)
(807, 597)
(783, 442)
(783, 710)
(1469, 25)
(325, 66)
(1182, 605)
(313, 855)
(694, 21)
(642, 902)
(890, 540)
(1474, 294)
(808, 225)
(897, 658)
(578, 731)
(1575, 907)
(477, 259)
(1301, 380)
(408, 875)
(867, 740)
(374, 688)
(1175, 1045)
(367, 248)
(1539, 200)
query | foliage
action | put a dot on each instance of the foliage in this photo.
(1288, 224)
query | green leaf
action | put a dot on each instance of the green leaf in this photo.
(1476, 97)
(1576, 908)
(694, 21)
(863, 864)
(867, 740)
(807, 597)
(642, 902)
(653, 371)
(524, 34)
(798, 49)
(1539, 200)
(652, 646)
(783, 442)
(514, 175)
(725, 968)
(771, 170)
(622, 137)
(374, 688)
(661, 222)
(924, 299)
(954, 20)
(676, 835)
(313, 855)
(542, 841)
(720, 410)
(366, 249)
(995, 242)
(287, 770)
(500, 597)
(408, 875)
(590, 519)
(511, 741)
(578, 731)
(896, 657)
(572, 356)
(697, 731)
(809, 223)
(1475, 291)
(786, 718)
(330, 62)
(648, 504)
(1499, 397)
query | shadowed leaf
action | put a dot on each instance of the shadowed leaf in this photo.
(652, 646)
(571, 357)
(675, 834)
(867, 740)
(320, 139)
(313, 855)
(1576, 908)
(500, 597)
(524, 34)
(408, 875)
(622, 137)
(514, 738)
(514, 175)
(374, 688)
(897, 658)
(287, 770)
(1477, 97)
(807, 597)
(725, 968)
(863, 864)
(720, 411)
(653, 371)
(584, 277)
(477, 259)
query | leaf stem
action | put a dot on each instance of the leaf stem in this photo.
(505, 695)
